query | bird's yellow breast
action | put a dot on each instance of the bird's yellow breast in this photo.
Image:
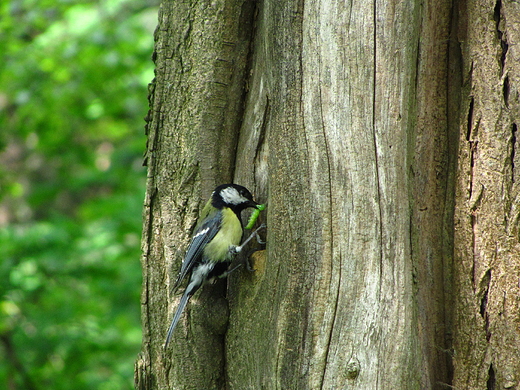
(229, 234)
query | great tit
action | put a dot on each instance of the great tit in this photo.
(214, 243)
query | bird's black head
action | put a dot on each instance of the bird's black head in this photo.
(233, 196)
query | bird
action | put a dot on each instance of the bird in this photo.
(214, 243)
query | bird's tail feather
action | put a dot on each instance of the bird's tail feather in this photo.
(182, 304)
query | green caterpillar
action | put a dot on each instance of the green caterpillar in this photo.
(254, 216)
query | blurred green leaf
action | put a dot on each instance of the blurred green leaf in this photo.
(73, 88)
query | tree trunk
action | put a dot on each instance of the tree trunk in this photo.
(345, 118)
(345, 133)
(196, 101)
(487, 250)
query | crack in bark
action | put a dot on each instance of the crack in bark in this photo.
(475, 201)
(505, 90)
(376, 159)
(485, 286)
(263, 131)
(473, 246)
(471, 137)
(484, 290)
(490, 384)
(468, 138)
(497, 16)
(331, 218)
(470, 118)
(513, 150)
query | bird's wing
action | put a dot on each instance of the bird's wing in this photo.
(203, 235)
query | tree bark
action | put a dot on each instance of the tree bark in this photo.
(382, 136)
(340, 127)
(487, 251)
(196, 100)
(360, 242)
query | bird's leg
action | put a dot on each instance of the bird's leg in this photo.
(234, 250)
(254, 234)
(225, 274)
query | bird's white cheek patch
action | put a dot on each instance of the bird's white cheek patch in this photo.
(231, 196)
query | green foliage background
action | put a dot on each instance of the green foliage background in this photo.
(73, 88)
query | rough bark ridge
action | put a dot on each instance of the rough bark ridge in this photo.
(487, 250)
(433, 173)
